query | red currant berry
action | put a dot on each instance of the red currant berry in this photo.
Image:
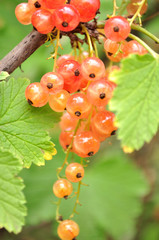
(52, 4)
(66, 139)
(52, 82)
(68, 123)
(87, 8)
(66, 18)
(100, 92)
(114, 50)
(23, 13)
(133, 47)
(62, 188)
(78, 106)
(103, 125)
(86, 144)
(42, 21)
(92, 69)
(35, 95)
(72, 87)
(71, 71)
(117, 28)
(83, 83)
(74, 172)
(133, 6)
(68, 230)
(58, 100)
(64, 58)
(35, 5)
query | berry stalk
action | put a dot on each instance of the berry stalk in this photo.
(146, 32)
(89, 41)
(137, 14)
(152, 52)
(68, 150)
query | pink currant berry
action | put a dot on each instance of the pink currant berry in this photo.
(117, 28)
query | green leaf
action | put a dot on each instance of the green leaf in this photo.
(12, 200)
(136, 100)
(113, 199)
(23, 127)
(3, 75)
(111, 203)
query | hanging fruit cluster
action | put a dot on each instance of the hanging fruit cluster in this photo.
(79, 85)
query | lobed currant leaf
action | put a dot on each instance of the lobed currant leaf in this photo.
(136, 100)
(12, 200)
(23, 127)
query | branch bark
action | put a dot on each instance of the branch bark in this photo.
(22, 51)
(33, 41)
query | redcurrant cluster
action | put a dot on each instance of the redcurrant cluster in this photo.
(79, 86)
(47, 14)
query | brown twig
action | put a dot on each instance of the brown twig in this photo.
(22, 51)
(34, 40)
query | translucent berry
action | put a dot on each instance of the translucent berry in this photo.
(133, 47)
(83, 83)
(35, 95)
(117, 28)
(78, 105)
(68, 230)
(68, 123)
(64, 58)
(133, 6)
(114, 50)
(52, 82)
(52, 4)
(92, 68)
(66, 18)
(84, 55)
(74, 172)
(72, 87)
(103, 125)
(23, 13)
(86, 144)
(100, 92)
(65, 139)
(62, 188)
(71, 71)
(35, 5)
(58, 100)
(87, 8)
(42, 21)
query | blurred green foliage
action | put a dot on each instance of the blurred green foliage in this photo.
(111, 205)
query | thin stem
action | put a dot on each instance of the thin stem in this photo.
(137, 12)
(68, 151)
(123, 7)
(57, 210)
(89, 41)
(80, 51)
(77, 200)
(119, 50)
(115, 7)
(87, 127)
(152, 52)
(56, 49)
(95, 47)
(75, 51)
(143, 30)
